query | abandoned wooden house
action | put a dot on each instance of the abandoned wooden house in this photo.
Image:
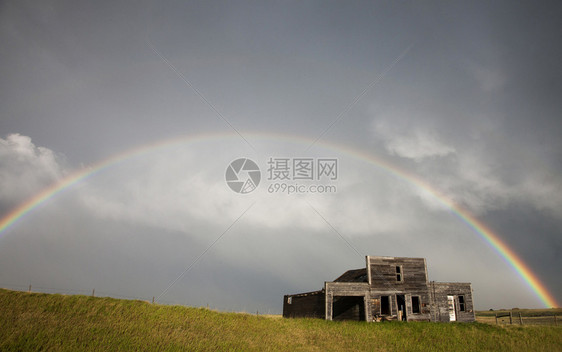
(388, 288)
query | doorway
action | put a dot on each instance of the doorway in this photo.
(451, 307)
(401, 303)
(385, 305)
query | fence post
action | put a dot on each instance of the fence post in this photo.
(496, 318)
(93, 292)
(520, 319)
(510, 318)
(152, 299)
(29, 291)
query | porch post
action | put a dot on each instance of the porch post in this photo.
(368, 310)
(329, 305)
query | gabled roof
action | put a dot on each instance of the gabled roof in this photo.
(356, 275)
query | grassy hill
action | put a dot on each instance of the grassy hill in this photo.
(57, 322)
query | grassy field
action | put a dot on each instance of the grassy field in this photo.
(57, 322)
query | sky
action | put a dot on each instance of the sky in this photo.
(151, 102)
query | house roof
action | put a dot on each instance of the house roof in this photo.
(355, 275)
(306, 293)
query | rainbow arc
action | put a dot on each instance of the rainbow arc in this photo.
(484, 232)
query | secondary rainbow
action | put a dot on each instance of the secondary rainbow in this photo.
(480, 228)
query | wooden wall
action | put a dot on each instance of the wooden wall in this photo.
(439, 292)
(307, 305)
(382, 271)
(383, 282)
(425, 305)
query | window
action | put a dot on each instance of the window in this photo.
(385, 305)
(289, 300)
(461, 304)
(416, 304)
(399, 276)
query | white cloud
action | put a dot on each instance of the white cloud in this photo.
(484, 170)
(414, 143)
(25, 168)
(164, 190)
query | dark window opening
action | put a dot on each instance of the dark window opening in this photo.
(385, 305)
(461, 303)
(415, 305)
(399, 273)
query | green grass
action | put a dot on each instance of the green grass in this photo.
(57, 322)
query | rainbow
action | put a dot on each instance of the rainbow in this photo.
(480, 228)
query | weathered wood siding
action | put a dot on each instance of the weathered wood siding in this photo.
(383, 274)
(440, 291)
(347, 288)
(425, 305)
(383, 282)
(375, 306)
(306, 305)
